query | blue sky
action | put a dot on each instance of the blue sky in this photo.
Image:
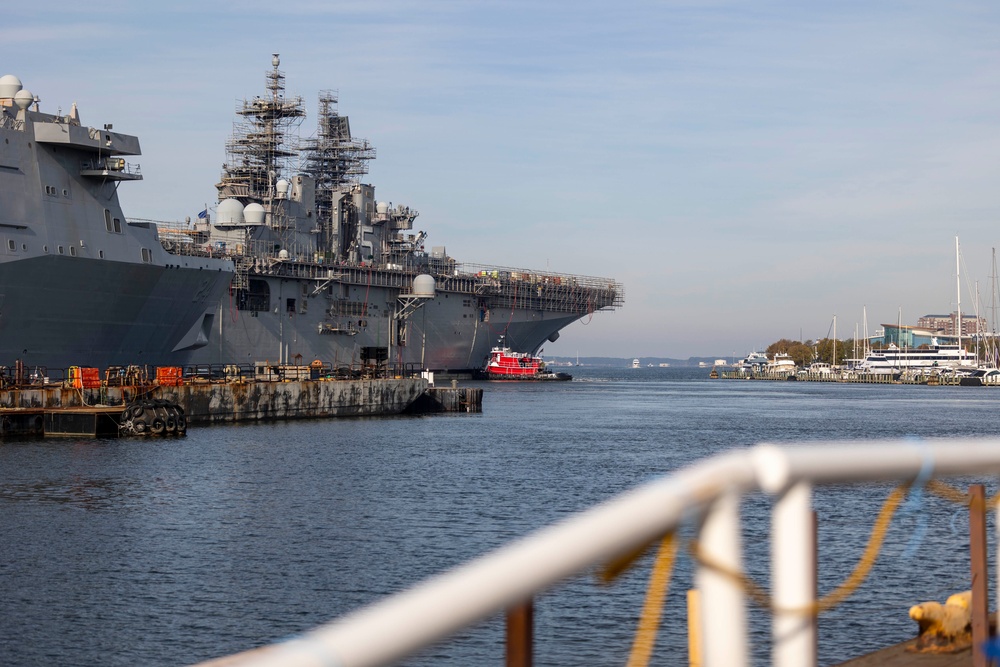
(747, 169)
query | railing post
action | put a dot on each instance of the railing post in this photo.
(996, 592)
(793, 576)
(980, 585)
(723, 609)
(520, 635)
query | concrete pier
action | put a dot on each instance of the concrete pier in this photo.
(448, 399)
(262, 401)
(30, 410)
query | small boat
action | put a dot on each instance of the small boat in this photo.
(504, 364)
(635, 363)
(781, 363)
(753, 363)
(981, 377)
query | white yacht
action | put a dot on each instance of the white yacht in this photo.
(781, 363)
(935, 356)
(755, 361)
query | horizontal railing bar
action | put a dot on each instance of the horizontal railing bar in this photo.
(778, 467)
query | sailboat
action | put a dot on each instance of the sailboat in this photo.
(987, 373)
(951, 358)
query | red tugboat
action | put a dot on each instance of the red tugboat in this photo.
(504, 364)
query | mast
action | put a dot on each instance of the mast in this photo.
(993, 314)
(899, 333)
(979, 334)
(864, 315)
(958, 291)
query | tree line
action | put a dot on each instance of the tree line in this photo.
(826, 350)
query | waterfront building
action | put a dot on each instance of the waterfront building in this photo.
(945, 324)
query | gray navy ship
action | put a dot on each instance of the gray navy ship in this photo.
(80, 284)
(326, 271)
(298, 262)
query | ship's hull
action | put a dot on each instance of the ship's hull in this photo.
(58, 311)
(448, 333)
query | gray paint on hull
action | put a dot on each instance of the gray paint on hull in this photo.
(446, 333)
(59, 311)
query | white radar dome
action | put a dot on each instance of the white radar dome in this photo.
(23, 99)
(253, 214)
(230, 212)
(282, 254)
(281, 187)
(9, 85)
(423, 285)
(382, 208)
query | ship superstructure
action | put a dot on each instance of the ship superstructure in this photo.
(79, 283)
(326, 271)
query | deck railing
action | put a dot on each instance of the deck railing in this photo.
(398, 626)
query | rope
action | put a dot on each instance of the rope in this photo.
(841, 592)
(656, 595)
(949, 492)
(659, 580)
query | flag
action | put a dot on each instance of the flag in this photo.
(203, 214)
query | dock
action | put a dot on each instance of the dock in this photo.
(847, 377)
(84, 405)
(898, 655)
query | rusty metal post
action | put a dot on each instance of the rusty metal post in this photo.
(520, 635)
(980, 577)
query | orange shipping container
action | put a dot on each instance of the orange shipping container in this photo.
(90, 378)
(169, 376)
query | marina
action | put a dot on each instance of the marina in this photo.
(848, 377)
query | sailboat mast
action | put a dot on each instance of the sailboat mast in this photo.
(979, 334)
(958, 292)
(864, 315)
(993, 313)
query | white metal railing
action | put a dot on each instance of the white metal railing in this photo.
(400, 625)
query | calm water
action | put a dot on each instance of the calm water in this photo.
(166, 553)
